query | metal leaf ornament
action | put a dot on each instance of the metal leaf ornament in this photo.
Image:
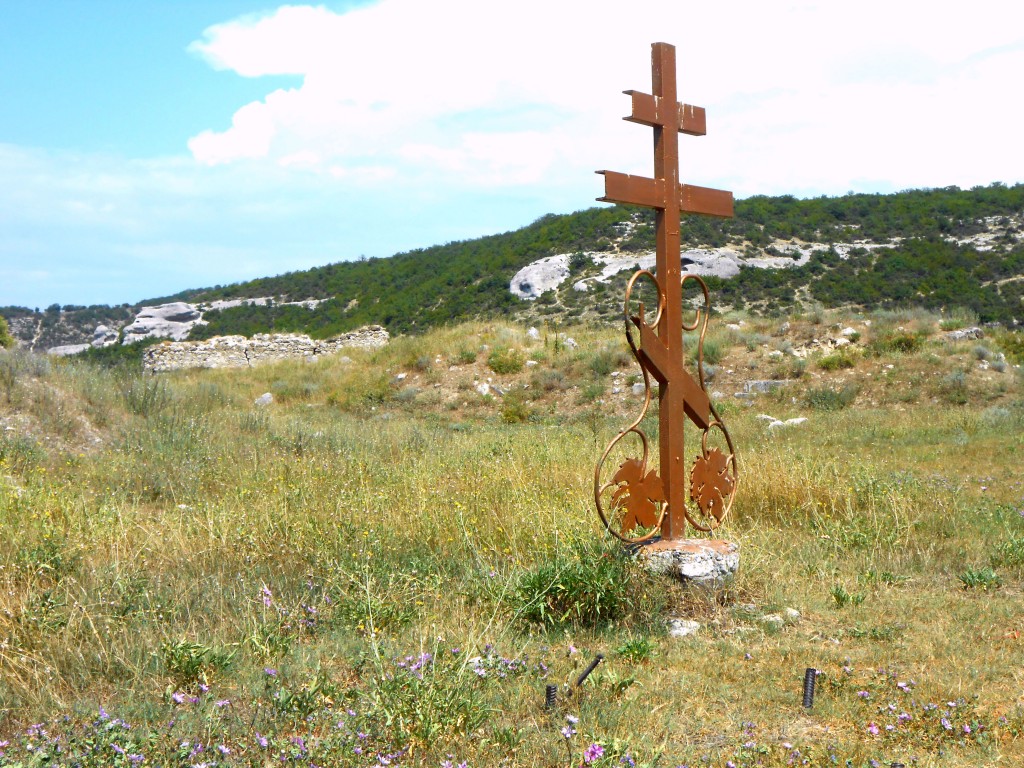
(640, 494)
(711, 484)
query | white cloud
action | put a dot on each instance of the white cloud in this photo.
(800, 95)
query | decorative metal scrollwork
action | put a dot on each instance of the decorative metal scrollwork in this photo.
(636, 507)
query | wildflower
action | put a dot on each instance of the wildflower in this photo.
(117, 749)
(872, 729)
(103, 714)
(572, 719)
(903, 717)
(627, 760)
(967, 728)
(223, 749)
(946, 724)
(864, 694)
(204, 688)
(568, 731)
(903, 686)
(222, 703)
(592, 753)
(178, 697)
(270, 672)
(262, 740)
(268, 596)
(135, 758)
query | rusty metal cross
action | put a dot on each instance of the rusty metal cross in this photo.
(662, 352)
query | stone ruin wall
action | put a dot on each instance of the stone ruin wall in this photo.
(242, 352)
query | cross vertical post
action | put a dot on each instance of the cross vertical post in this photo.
(661, 353)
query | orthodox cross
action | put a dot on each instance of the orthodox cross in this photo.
(661, 353)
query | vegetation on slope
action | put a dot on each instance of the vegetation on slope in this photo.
(444, 284)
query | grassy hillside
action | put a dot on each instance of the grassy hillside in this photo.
(459, 281)
(931, 261)
(386, 566)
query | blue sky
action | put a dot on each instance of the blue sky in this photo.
(150, 147)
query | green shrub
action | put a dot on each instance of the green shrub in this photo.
(6, 340)
(837, 361)
(953, 388)
(1012, 345)
(830, 399)
(506, 360)
(466, 356)
(515, 409)
(898, 342)
(548, 380)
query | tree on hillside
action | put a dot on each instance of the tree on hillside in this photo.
(6, 340)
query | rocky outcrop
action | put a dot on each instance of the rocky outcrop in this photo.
(242, 352)
(173, 321)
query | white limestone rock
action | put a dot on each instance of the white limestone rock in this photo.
(64, 350)
(540, 276)
(683, 627)
(173, 321)
(965, 334)
(265, 399)
(103, 336)
(710, 563)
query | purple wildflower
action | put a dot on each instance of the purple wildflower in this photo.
(592, 753)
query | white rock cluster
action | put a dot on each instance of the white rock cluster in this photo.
(242, 352)
(173, 321)
(710, 563)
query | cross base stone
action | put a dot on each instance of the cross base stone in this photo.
(707, 563)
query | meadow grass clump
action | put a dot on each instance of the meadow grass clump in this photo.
(896, 342)
(837, 361)
(958, 317)
(586, 586)
(826, 398)
(506, 360)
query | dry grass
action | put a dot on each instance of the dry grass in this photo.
(176, 537)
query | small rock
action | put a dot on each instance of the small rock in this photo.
(483, 388)
(848, 332)
(400, 377)
(531, 363)
(344, 359)
(533, 333)
(638, 389)
(775, 354)
(570, 342)
(965, 333)
(791, 614)
(774, 620)
(683, 627)
(265, 399)
(796, 422)
(842, 341)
